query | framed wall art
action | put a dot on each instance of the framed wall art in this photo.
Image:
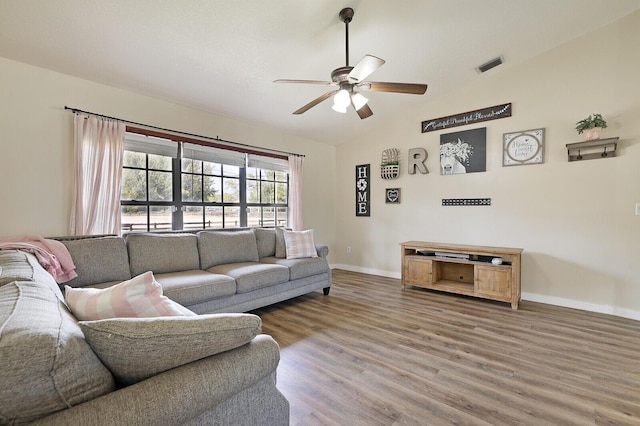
(463, 152)
(523, 147)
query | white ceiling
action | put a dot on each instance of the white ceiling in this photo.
(222, 56)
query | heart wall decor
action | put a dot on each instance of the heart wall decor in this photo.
(392, 196)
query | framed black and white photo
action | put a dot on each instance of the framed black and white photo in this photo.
(463, 152)
(523, 147)
(392, 195)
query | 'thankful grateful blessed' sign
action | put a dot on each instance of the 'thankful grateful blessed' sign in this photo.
(477, 116)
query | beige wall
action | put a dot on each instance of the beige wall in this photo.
(575, 220)
(37, 138)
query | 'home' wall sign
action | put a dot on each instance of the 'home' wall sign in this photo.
(362, 190)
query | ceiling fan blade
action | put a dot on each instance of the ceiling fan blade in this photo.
(364, 112)
(304, 81)
(409, 88)
(365, 67)
(315, 102)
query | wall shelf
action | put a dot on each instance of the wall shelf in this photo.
(590, 150)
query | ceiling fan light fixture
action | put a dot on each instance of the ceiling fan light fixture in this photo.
(339, 108)
(341, 99)
(358, 101)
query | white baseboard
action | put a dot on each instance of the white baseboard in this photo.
(533, 297)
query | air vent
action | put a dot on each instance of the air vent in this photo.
(488, 65)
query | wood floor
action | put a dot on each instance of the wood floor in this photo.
(373, 354)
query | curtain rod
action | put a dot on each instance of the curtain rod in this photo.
(217, 139)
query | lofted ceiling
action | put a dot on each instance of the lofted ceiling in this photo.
(222, 56)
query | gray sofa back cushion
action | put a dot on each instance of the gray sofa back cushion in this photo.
(98, 260)
(47, 365)
(162, 253)
(266, 239)
(222, 247)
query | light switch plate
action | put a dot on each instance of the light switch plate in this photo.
(637, 209)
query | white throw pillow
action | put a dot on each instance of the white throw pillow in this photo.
(140, 296)
(300, 244)
(137, 348)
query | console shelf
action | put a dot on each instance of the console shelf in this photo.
(463, 269)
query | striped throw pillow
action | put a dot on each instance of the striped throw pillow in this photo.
(300, 244)
(138, 297)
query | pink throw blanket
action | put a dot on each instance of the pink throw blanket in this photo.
(52, 255)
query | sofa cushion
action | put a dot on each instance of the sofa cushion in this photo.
(252, 276)
(281, 248)
(98, 260)
(266, 240)
(14, 267)
(140, 296)
(162, 253)
(221, 247)
(137, 348)
(46, 363)
(192, 287)
(300, 268)
(300, 244)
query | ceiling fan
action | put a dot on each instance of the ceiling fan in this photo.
(350, 81)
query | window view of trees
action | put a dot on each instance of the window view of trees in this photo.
(209, 194)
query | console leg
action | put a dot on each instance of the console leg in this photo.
(326, 290)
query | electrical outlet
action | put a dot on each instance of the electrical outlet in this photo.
(348, 249)
(637, 209)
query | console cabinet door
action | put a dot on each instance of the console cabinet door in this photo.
(493, 282)
(418, 272)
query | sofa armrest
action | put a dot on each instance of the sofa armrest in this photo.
(322, 249)
(185, 393)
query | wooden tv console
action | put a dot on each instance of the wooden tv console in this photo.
(463, 269)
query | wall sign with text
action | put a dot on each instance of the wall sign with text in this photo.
(362, 190)
(524, 147)
(477, 116)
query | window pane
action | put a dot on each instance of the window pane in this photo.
(252, 192)
(213, 217)
(268, 174)
(231, 217)
(252, 173)
(281, 177)
(230, 170)
(211, 168)
(159, 218)
(134, 185)
(268, 192)
(191, 187)
(160, 186)
(268, 216)
(159, 162)
(192, 217)
(254, 216)
(281, 193)
(134, 159)
(231, 190)
(189, 165)
(212, 190)
(134, 218)
(282, 216)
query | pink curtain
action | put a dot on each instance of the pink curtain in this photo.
(295, 192)
(99, 152)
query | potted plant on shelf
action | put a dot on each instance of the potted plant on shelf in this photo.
(591, 126)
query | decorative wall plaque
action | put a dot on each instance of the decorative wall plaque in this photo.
(392, 196)
(463, 152)
(362, 190)
(525, 147)
(477, 116)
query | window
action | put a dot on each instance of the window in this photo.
(206, 188)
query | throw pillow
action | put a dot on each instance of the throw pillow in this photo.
(281, 249)
(140, 296)
(300, 244)
(137, 348)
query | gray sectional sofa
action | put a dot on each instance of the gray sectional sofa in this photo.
(214, 368)
(234, 270)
